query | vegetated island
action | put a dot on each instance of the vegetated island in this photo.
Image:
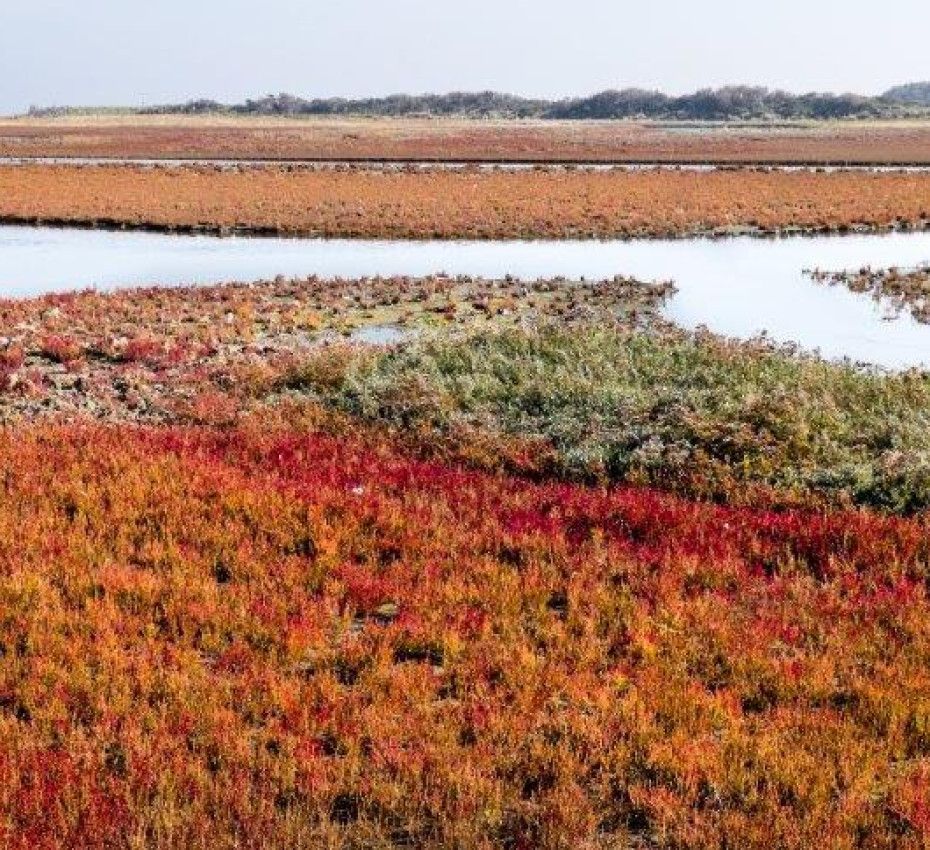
(466, 204)
(901, 289)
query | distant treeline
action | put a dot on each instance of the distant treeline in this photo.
(917, 93)
(724, 104)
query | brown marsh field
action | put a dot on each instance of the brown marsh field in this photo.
(167, 137)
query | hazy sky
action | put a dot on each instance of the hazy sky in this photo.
(129, 52)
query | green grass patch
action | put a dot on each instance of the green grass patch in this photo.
(691, 413)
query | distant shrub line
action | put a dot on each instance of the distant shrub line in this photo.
(727, 103)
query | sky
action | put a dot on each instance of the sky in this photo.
(126, 52)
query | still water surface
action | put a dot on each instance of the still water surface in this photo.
(738, 286)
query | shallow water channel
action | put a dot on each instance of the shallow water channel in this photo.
(738, 286)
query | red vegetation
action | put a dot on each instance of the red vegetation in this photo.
(60, 349)
(263, 638)
(461, 204)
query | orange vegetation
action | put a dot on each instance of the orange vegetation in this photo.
(150, 354)
(270, 638)
(450, 139)
(372, 203)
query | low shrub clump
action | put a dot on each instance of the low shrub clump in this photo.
(262, 637)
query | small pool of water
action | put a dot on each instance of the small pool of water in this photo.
(380, 334)
(738, 286)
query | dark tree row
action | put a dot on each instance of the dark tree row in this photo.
(728, 103)
(917, 93)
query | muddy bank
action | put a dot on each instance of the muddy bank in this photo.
(182, 354)
(722, 232)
